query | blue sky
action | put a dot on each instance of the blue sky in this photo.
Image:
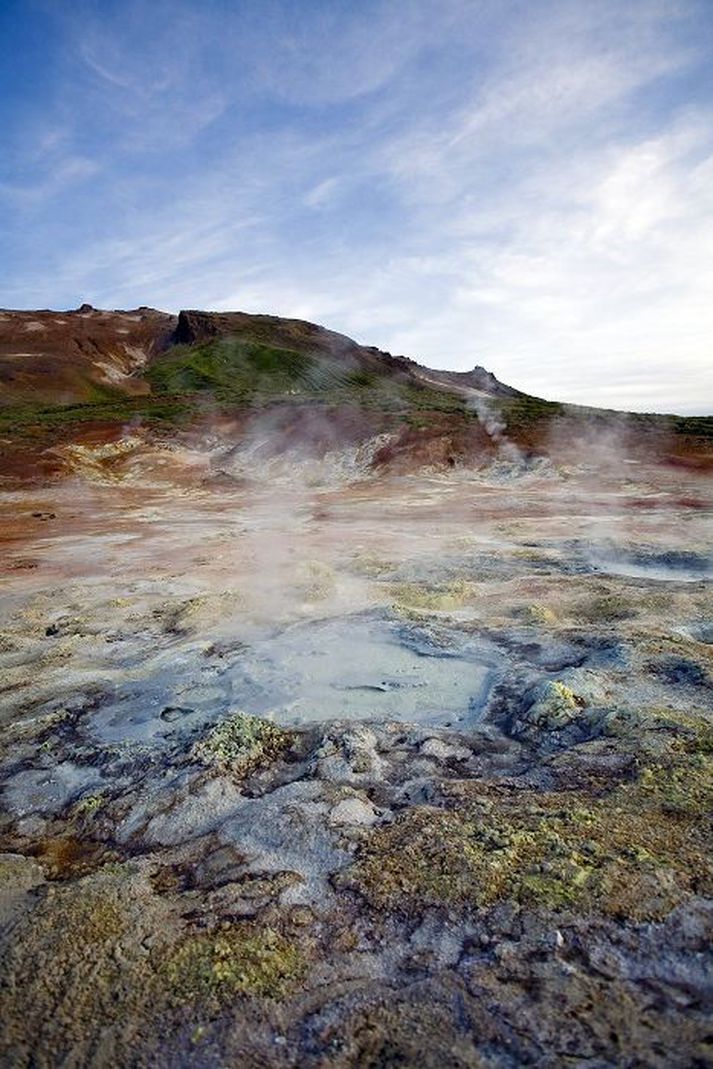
(524, 184)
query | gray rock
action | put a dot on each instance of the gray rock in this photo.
(48, 790)
(287, 831)
(442, 751)
(353, 811)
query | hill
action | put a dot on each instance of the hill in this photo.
(89, 375)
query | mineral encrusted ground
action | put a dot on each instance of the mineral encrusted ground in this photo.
(413, 771)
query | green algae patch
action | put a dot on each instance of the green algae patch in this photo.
(242, 743)
(629, 855)
(239, 959)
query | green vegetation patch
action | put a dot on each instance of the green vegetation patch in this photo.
(36, 420)
(537, 615)
(694, 426)
(656, 735)
(70, 964)
(231, 368)
(635, 854)
(525, 411)
(684, 789)
(421, 398)
(607, 608)
(442, 598)
(242, 743)
(247, 371)
(238, 959)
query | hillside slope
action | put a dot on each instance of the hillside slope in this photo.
(95, 376)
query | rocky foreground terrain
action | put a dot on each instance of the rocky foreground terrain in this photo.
(352, 714)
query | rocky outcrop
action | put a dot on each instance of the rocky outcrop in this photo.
(479, 379)
(195, 327)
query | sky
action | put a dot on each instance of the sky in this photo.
(521, 184)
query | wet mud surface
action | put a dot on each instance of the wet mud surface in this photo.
(407, 771)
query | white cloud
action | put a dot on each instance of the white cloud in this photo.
(67, 170)
(323, 193)
(318, 55)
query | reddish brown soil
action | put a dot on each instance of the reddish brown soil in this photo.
(67, 357)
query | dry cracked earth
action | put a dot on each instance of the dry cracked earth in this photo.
(310, 761)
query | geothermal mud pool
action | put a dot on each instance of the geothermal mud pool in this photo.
(362, 667)
(410, 771)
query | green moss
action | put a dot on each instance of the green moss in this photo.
(240, 959)
(694, 426)
(250, 370)
(655, 734)
(629, 855)
(407, 613)
(558, 886)
(606, 608)
(683, 788)
(242, 743)
(81, 925)
(690, 733)
(421, 398)
(76, 963)
(85, 807)
(536, 614)
(370, 565)
(554, 707)
(434, 598)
